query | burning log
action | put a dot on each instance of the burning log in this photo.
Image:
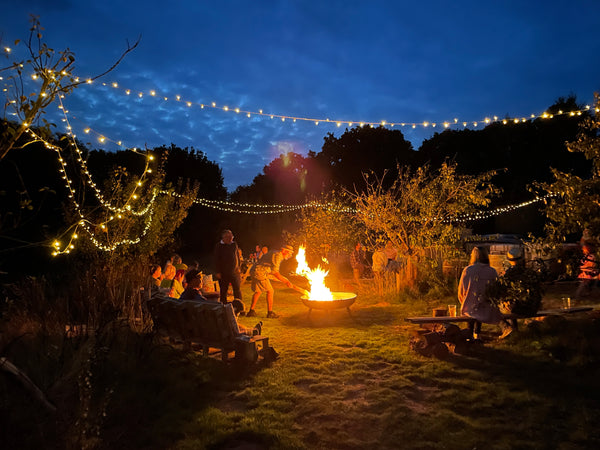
(320, 297)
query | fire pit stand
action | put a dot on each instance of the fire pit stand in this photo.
(340, 300)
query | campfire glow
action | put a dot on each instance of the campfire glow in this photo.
(316, 278)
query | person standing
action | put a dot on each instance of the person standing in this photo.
(227, 263)
(266, 266)
(358, 261)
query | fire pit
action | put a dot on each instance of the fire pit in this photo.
(340, 300)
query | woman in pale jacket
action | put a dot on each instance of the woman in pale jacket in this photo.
(471, 291)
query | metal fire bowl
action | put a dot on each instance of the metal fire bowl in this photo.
(340, 300)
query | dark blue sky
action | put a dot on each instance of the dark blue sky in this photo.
(401, 62)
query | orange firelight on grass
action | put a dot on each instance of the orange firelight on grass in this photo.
(316, 278)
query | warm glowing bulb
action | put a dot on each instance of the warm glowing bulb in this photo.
(115, 84)
(153, 93)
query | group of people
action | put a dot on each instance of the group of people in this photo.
(265, 264)
(177, 280)
(472, 294)
(385, 259)
(170, 279)
(477, 276)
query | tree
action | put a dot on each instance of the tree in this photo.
(283, 180)
(54, 69)
(422, 209)
(520, 152)
(574, 204)
(343, 160)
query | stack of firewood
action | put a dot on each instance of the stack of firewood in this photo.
(440, 340)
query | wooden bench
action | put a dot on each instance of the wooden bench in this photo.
(463, 318)
(439, 334)
(208, 324)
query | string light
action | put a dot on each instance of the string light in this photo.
(258, 208)
(362, 123)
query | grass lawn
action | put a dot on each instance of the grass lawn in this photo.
(348, 382)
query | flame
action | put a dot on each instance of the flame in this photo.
(316, 278)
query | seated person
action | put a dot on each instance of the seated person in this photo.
(193, 287)
(155, 277)
(177, 287)
(472, 291)
(169, 274)
(192, 292)
(589, 271)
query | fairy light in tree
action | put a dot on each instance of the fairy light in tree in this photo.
(83, 222)
(90, 182)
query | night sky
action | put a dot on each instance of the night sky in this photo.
(350, 61)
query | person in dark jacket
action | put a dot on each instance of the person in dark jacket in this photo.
(227, 263)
